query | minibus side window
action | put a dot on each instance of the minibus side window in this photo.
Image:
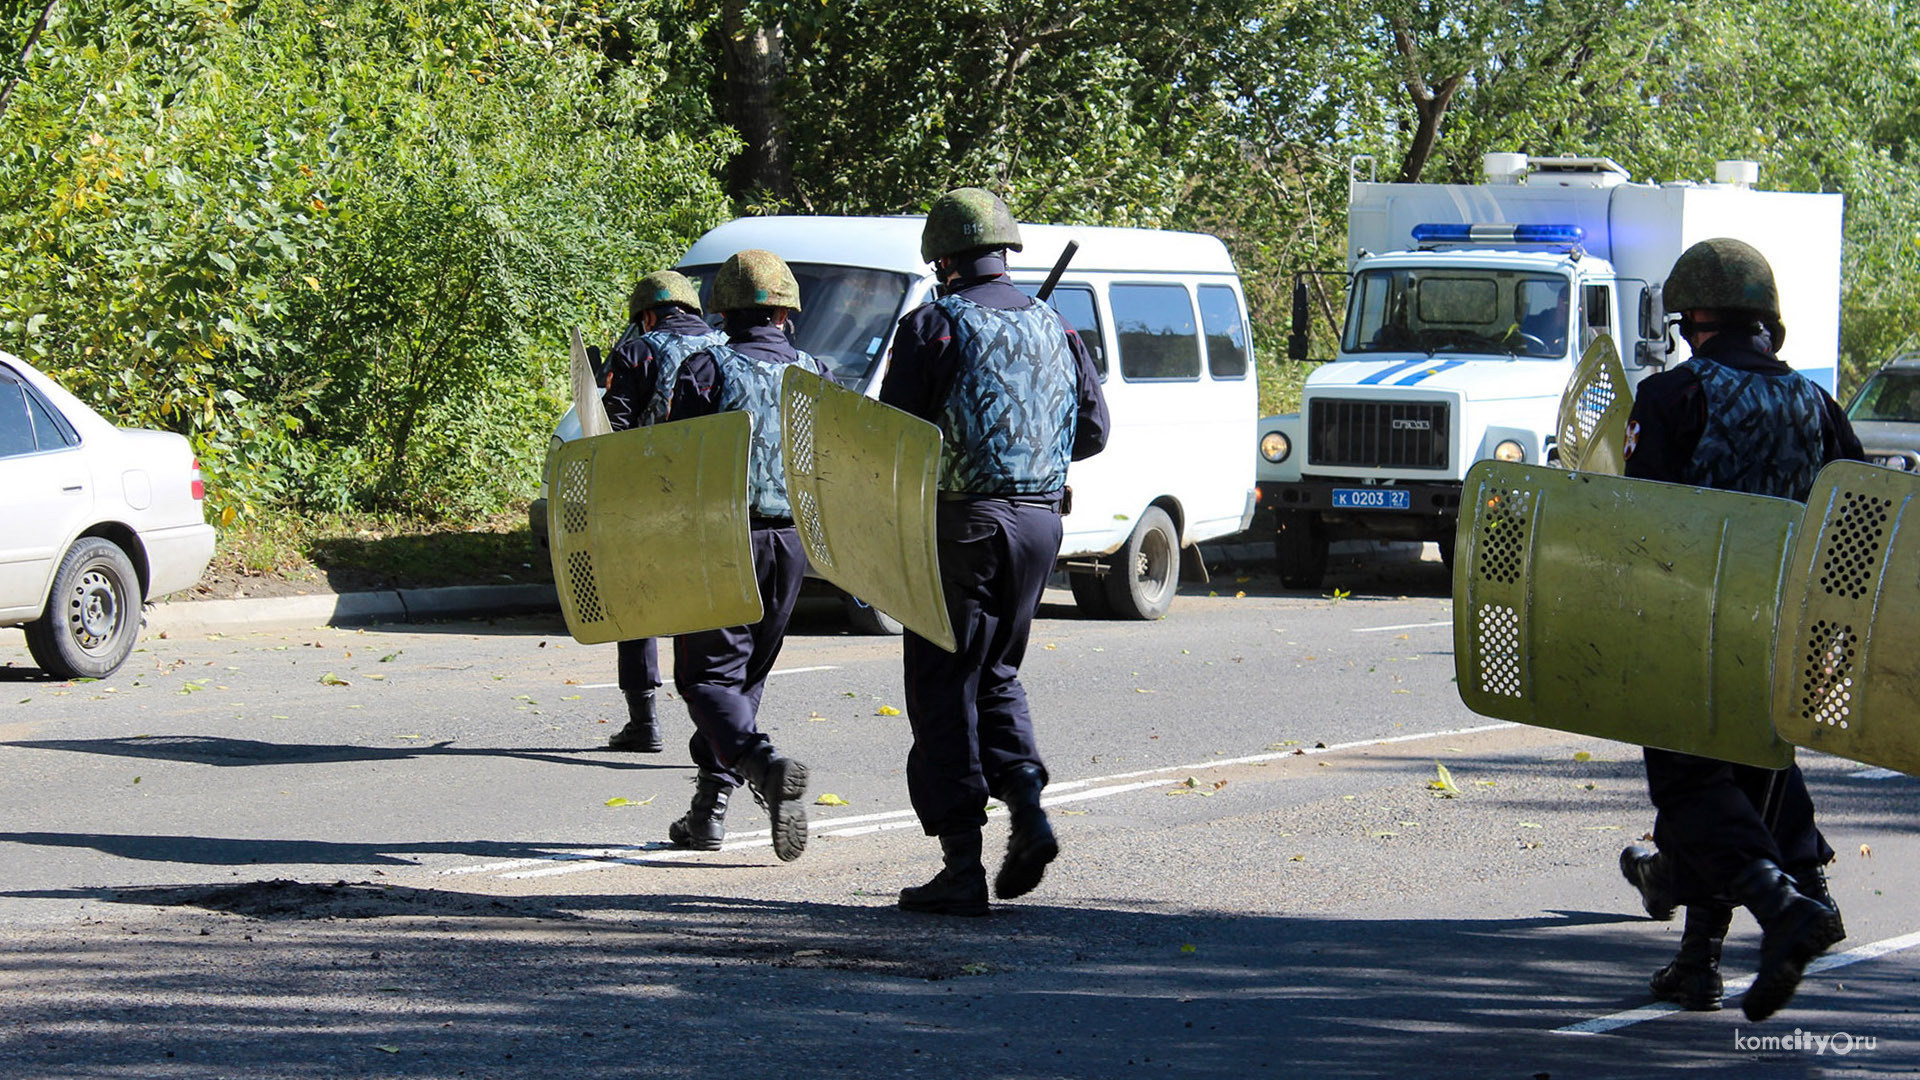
(1158, 336)
(1075, 302)
(1226, 332)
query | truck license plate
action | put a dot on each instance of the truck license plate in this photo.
(1372, 498)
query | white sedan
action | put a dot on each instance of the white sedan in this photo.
(94, 520)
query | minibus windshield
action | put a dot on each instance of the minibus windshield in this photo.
(1458, 310)
(846, 314)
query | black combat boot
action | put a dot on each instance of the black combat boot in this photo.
(1647, 872)
(779, 784)
(1810, 880)
(1795, 930)
(642, 733)
(1692, 978)
(704, 824)
(1030, 844)
(960, 888)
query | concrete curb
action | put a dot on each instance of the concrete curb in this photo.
(350, 609)
(425, 605)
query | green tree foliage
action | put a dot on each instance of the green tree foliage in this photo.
(337, 243)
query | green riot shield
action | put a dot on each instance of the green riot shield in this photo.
(1593, 412)
(649, 530)
(1847, 664)
(586, 392)
(864, 479)
(1625, 609)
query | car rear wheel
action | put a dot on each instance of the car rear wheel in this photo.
(1145, 573)
(93, 613)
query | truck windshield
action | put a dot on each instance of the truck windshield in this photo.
(1459, 309)
(1890, 395)
(846, 314)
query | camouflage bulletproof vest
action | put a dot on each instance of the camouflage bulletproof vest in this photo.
(672, 350)
(753, 387)
(1007, 425)
(1763, 432)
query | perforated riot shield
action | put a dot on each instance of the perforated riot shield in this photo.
(586, 391)
(1625, 609)
(1847, 664)
(864, 479)
(1594, 410)
(649, 530)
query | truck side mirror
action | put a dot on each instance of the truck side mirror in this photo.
(1297, 336)
(1651, 349)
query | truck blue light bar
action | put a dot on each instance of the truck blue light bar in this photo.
(1494, 233)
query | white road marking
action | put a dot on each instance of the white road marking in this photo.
(1101, 787)
(1601, 1024)
(1402, 626)
(781, 671)
(1876, 774)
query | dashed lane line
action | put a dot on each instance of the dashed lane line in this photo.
(1600, 1025)
(1402, 626)
(1070, 791)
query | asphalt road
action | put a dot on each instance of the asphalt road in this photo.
(396, 852)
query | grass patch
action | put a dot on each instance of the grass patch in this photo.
(355, 552)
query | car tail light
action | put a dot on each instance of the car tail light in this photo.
(199, 485)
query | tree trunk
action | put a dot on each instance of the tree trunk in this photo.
(1429, 104)
(26, 53)
(756, 73)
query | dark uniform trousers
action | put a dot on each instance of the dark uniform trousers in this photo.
(1712, 821)
(968, 710)
(720, 673)
(639, 665)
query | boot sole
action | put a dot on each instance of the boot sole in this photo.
(1771, 992)
(1021, 872)
(632, 748)
(786, 810)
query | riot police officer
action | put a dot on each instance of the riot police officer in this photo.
(1733, 417)
(663, 328)
(1015, 395)
(721, 673)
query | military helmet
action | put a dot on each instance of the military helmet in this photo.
(967, 219)
(1722, 274)
(755, 279)
(664, 287)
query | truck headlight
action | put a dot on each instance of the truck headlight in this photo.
(1275, 447)
(1893, 461)
(1510, 451)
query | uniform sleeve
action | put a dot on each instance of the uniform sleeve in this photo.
(697, 391)
(1841, 442)
(1091, 420)
(920, 366)
(631, 370)
(1669, 415)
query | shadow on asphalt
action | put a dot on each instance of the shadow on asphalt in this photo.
(216, 750)
(289, 979)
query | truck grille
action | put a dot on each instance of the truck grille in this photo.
(1377, 434)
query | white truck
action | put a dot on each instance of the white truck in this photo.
(1468, 306)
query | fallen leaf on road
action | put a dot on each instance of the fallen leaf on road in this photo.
(1443, 784)
(571, 697)
(1582, 755)
(1529, 825)
(619, 801)
(1866, 851)
(330, 679)
(1189, 948)
(1383, 835)
(1296, 858)
(887, 710)
(830, 799)
(388, 1049)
